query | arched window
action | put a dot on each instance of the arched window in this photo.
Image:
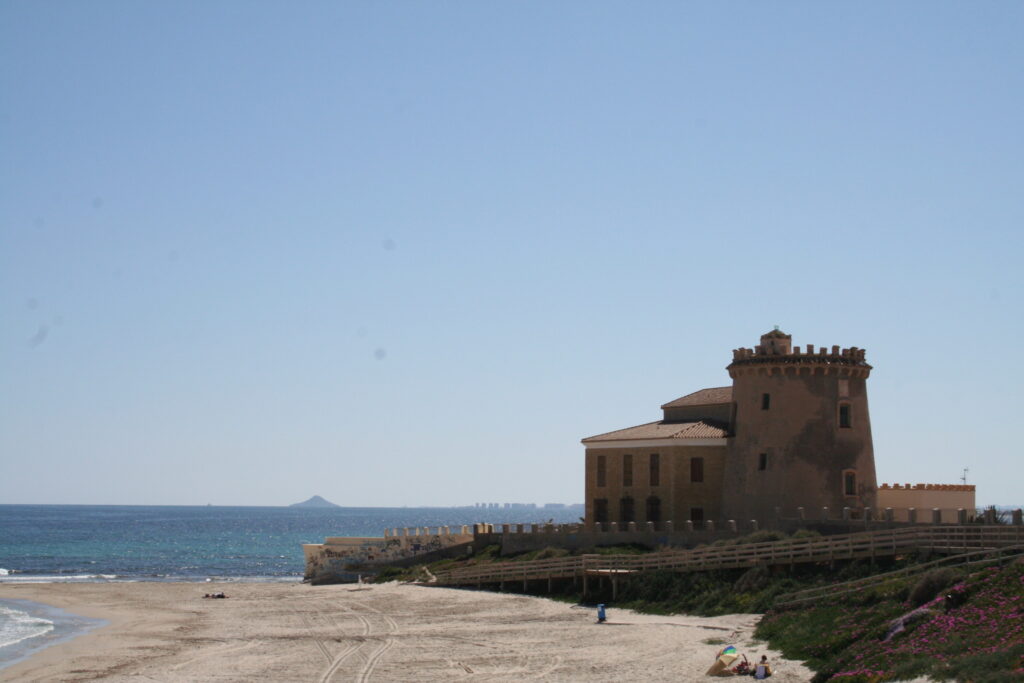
(653, 509)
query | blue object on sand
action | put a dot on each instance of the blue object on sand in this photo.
(600, 613)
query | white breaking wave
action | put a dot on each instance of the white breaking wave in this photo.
(16, 626)
(4, 572)
(58, 578)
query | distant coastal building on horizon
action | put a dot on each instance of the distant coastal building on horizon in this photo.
(525, 506)
(793, 431)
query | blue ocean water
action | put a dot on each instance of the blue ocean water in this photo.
(177, 543)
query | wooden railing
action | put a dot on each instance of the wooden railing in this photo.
(946, 539)
(974, 557)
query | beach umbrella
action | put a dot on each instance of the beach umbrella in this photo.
(726, 656)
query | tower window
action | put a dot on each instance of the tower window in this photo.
(762, 462)
(849, 483)
(627, 470)
(696, 469)
(655, 469)
(627, 513)
(766, 401)
(602, 473)
(696, 514)
(845, 419)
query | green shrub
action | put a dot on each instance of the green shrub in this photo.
(989, 667)
(806, 533)
(929, 585)
(389, 574)
(763, 536)
(754, 579)
(624, 549)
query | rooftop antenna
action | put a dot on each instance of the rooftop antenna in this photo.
(963, 477)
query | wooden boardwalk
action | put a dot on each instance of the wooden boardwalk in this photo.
(869, 544)
(981, 557)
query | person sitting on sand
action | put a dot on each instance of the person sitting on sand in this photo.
(763, 669)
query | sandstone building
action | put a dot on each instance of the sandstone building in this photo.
(792, 431)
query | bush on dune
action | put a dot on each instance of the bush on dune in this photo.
(978, 636)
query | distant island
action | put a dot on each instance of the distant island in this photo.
(314, 502)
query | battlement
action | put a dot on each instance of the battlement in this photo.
(779, 358)
(761, 353)
(927, 487)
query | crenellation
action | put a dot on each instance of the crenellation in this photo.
(969, 488)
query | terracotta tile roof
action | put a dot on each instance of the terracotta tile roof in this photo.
(703, 429)
(703, 397)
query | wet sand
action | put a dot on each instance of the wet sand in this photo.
(294, 632)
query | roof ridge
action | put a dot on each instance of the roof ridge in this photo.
(645, 424)
(676, 402)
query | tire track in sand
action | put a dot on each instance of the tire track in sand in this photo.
(309, 627)
(213, 652)
(392, 629)
(336, 662)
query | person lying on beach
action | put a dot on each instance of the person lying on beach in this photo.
(215, 595)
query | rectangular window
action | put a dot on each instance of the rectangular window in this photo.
(627, 512)
(696, 469)
(762, 462)
(696, 514)
(601, 510)
(627, 470)
(766, 401)
(844, 415)
(655, 469)
(850, 483)
(653, 509)
(602, 474)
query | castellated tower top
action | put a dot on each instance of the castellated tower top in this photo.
(776, 341)
(776, 351)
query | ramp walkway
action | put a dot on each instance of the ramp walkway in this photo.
(948, 540)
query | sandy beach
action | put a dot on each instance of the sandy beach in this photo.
(390, 632)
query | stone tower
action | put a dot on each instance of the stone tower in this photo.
(801, 432)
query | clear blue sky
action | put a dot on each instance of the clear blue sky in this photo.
(411, 253)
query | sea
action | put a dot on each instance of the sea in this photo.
(118, 543)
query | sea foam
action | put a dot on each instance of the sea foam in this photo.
(16, 626)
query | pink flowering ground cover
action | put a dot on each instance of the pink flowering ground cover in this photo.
(979, 638)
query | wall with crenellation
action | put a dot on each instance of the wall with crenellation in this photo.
(946, 497)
